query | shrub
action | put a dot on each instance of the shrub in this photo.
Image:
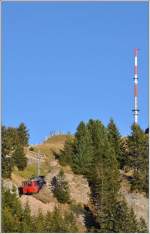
(31, 148)
(60, 188)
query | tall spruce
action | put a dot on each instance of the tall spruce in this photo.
(66, 155)
(115, 140)
(138, 155)
(104, 174)
(10, 140)
(19, 158)
(23, 134)
(83, 153)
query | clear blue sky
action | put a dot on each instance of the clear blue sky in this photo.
(67, 62)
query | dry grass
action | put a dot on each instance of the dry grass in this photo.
(31, 170)
(44, 196)
(58, 139)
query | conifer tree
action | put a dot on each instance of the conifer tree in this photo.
(66, 155)
(23, 134)
(115, 139)
(124, 219)
(104, 173)
(39, 222)
(138, 156)
(60, 188)
(26, 224)
(83, 153)
(7, 165)
(9, 140)
(19, 158)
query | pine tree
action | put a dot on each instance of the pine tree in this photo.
(7, 165)
(83, 153)
(39, 222)
(56, 222)
(104, 174)
(23, 135)
(60, 188)
(9, 140)
(138, 156)
(11, 212)
(142, 227)
(26, 224)
(124, 162)
(19, 158)
(66, 155)
(115, 140)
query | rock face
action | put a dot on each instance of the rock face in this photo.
(139, 203)
(79, 188)
(78, 185)
(37, 205)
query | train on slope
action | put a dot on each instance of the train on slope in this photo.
(32, 186)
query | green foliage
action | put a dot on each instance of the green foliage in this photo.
(124, 162)
(115, 141)
(60, 188)
(76, 208)
(31, 148)
(138, 158)
(23, 134)
(96, 152)
(58, 223)
(19, 158)
(142, 227)
(65, 156)
(13, 140)
(7, 165)
(19, 220)
(83, 153)
(9, 140)
(11, 212)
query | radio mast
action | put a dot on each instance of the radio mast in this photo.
(136, 110)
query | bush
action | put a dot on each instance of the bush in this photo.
(76, 208)
(19, 158)
(60, 188)
(31, 148)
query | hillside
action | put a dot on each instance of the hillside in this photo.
(78, 185)
(88, 180)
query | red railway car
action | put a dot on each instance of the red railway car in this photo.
(32, 186)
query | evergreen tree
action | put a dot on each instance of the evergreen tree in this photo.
(83, 153)
(19, 158)
(138, 158)
(19, 220)
(60, 188)
(66, 155)
(115, 140)
(142, 227)
(23, 135)
(26, 225)
(39, 223)
(56, 222)
(11, 212)
(124, 219)
(7, 165)
(9, 140)
(124, 162)
(104, 174)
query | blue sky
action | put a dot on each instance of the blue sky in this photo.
(67, 62)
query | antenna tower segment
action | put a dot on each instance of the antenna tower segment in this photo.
(136, 110)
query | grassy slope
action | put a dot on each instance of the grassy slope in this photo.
(53, 144)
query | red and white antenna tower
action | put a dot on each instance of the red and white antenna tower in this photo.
(136, 110)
